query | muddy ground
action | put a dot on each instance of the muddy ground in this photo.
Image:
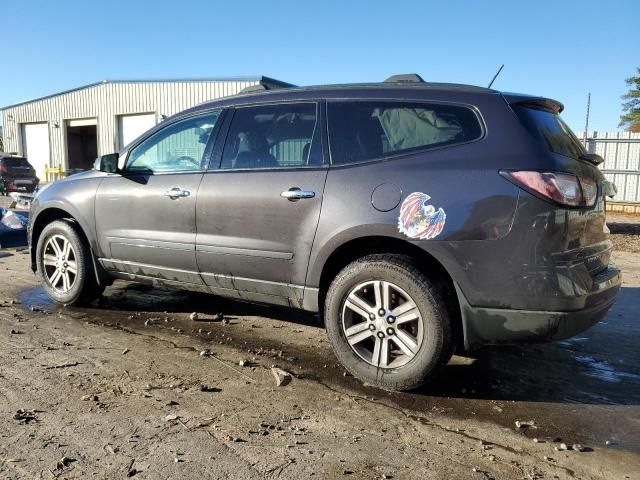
(122, 389)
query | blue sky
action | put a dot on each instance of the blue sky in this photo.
(560, 49)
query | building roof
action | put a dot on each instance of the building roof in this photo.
(262, 79)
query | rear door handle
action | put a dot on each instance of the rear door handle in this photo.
(295, 193)
(176, 192)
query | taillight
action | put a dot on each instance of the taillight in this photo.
(562, 188)
(589, 190)
(3, 169)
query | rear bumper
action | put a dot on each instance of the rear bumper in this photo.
(493, 326)
(20, 184)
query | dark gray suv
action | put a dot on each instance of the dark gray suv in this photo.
(416, 217)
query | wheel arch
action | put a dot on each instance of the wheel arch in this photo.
(353, 249)
(51, 214)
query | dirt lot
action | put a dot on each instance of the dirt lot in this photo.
(123, 389)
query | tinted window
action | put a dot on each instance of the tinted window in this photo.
(367, 130)
(551, 130)
(177, 147)
(271, 136)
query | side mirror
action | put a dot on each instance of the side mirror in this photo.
(107, 163)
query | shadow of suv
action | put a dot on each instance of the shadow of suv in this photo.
(416, 217)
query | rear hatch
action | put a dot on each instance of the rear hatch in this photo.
(587, 233)
(16, 167)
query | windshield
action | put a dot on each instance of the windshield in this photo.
(551, 130)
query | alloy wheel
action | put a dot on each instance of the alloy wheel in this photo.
(60, 263)
(382, 324)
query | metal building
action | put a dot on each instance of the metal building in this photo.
(70, 129)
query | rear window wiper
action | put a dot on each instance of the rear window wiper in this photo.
(592, 158)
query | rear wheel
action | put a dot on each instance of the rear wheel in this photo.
(387, 322)
(64, 265)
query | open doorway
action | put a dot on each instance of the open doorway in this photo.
(82, 144)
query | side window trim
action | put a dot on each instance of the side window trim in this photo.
(215, 161)
(206, 156)
(393, 156)
(319, 135)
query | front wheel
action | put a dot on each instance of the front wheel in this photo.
(64, 265)
(387, 322)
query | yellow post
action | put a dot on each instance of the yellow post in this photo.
(52, 173)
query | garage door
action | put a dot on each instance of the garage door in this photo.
(35, 137)
(131, 127)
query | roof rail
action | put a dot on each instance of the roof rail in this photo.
(259, 87)
(405, 78)
(264, 84)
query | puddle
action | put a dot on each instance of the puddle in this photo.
(37, 297)
(603, 370)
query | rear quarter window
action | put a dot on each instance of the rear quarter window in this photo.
(368, 130)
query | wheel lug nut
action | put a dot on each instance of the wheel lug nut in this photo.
(381, 312)
(390, 331)
(372, 327)
(391, 319)
(381, 334)
(372, 316)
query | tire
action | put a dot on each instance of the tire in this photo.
(66, 287)
(427, 338)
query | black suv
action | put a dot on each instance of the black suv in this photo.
(16, 175)
(415, 217)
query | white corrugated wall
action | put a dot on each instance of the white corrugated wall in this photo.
(621, 153)
(106, 101)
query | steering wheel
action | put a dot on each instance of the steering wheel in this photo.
(185, 159)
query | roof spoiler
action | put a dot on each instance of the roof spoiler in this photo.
(538, 103)
(405, 78)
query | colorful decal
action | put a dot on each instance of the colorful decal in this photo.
(419, 220)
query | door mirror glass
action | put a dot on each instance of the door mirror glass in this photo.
(107, 163)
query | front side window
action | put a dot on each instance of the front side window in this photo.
(179, 147)
(271, 136)
(368, 130)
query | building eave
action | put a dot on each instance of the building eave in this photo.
(164, 80)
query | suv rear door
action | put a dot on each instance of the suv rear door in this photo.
(145, 216)
(259, 205)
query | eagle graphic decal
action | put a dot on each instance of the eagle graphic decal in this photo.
(420, 220)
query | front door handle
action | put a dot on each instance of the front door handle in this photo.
(176, 192)
(295, 193)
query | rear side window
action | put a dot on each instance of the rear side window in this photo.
(367, 130)
(551, 130)
(271, 136)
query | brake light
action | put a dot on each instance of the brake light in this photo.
(562, 188)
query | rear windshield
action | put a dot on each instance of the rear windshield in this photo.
(551, 130)
(15, 162)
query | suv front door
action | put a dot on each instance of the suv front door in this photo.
(257, 213)
(145, 216)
